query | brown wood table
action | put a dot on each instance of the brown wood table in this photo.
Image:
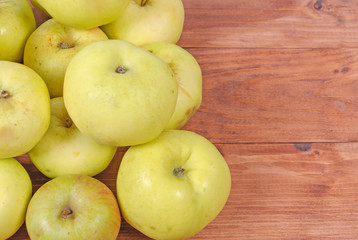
(280, 101)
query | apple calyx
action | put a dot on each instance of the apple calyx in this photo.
(68, 122)
(179, 172)
(66, 213)
(141, 2)
(121, 70)
(4, 94)
(64, 45)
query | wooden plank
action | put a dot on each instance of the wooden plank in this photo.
(270, 4)
(279, 191)
(277, 95)
(271, 24)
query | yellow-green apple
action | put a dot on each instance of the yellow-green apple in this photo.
(118, 93)
(17, 22)
(173, 186)
(65, 150)
(24, 109)
(73, 207)
(147, 21)
(187, 72)
(15, 194)
(51, 47)
(82, 13)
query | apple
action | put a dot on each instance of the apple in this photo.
(188, 75)
(73, 207)
(24, 109)
(17, 22)
(51, 47)
(118, 93)
(65, 150)
(173, 186)
(15, 194)
(84, 14)
(147, 21)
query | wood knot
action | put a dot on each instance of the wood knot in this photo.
(303, 146)
(318, 5)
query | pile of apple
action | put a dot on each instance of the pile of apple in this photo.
(98, 75)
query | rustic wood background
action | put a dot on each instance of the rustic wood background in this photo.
(280, 101)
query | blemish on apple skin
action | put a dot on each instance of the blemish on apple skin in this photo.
(76, 154)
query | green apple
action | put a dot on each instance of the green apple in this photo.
(148, 21)
(15, 194)
(17, 22)
(73, 207)
(65, 150)
(24, 109)
(118, 93)
(173, 186)
(51, 47)
(84, 14)
(187, 72)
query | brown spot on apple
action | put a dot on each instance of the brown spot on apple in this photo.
(66, 213)
(64, 45)
(4, 94)
(121, 69)
(179, 172)
(68, 122)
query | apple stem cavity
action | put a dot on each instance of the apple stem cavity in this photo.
(68, 122)
(4, 94)
(66, 213)
(121, 70)
(179, 172)
(64, 45)
(141, 2)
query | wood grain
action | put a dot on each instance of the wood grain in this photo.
(271, 24)
(277, 95)
(280, 103)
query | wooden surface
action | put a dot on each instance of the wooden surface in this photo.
(280, 101)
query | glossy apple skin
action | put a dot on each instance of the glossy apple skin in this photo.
(25, 113)
(164, 206)
(95, 212)
(187, 73)
(84, 14)
(65, 150)
(15, 194)
(51, 47)
(156, 21)
(17, 22)
(119, 109)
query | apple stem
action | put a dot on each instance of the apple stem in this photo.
(66, 213)
(4, 94)
(179, 172)
(141, 2)
(121, 70)
(68, 122)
